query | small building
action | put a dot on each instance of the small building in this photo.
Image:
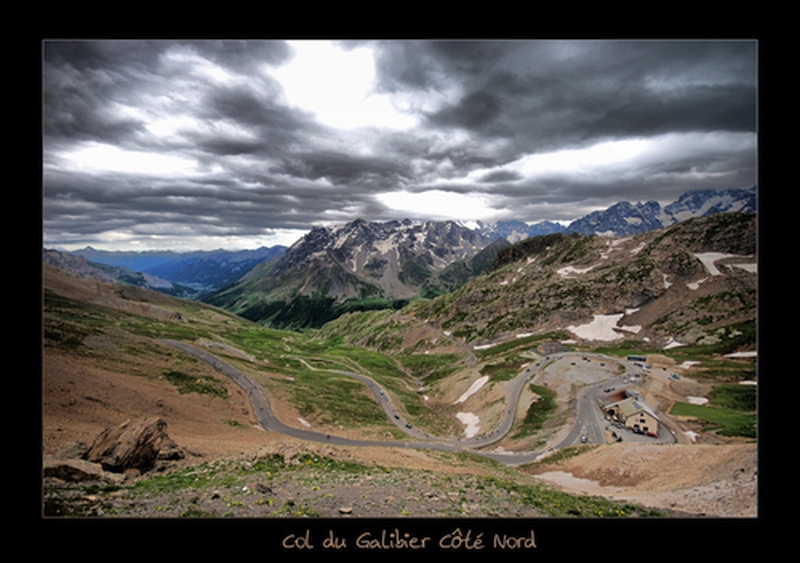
(634, 414)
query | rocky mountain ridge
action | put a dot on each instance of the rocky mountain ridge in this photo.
(625, 218)
(362, 265)
(689, 283)
(389, 262)
(359, 262)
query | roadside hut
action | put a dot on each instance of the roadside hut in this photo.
(634, 414)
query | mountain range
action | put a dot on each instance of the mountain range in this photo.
(98, 271)
(357, 266)
(365, 265)
(625, 218)
(185, 274)
(446, 366)
(688, 283)
(480, 364)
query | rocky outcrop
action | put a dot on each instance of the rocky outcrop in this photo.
(134, 444)
(73, 470)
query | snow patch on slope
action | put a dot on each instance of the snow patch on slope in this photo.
(474, 388)
(709, 260)
(601, 328)
(471, 421)
(569, 270)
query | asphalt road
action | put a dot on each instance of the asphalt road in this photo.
(588, 418)
(268, 421)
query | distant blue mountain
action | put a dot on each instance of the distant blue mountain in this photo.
(136, 261)
(216, 269)
(204, 271)
(107, 273)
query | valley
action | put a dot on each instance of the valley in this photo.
(438, 385)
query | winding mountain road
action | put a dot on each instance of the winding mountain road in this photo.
(268, 421)
(418, 439)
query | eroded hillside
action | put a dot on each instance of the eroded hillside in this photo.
(682, 284)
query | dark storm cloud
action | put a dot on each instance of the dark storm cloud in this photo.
(563, 198)
(250, 109)
(476, 111)
(501, 176)
(346, 170)
(552, 94)
(433, 65)
(83, 203)
(251, 161)
(520, 98)
(244, 56)
(93, 92)
(83, 80)
(271, 128)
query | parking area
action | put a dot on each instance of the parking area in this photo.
(616, 432)
(604, 381)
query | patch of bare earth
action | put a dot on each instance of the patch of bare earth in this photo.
(83, 397)
(710, 475)
(710, 480)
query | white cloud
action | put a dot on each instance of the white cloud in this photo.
(440, 205)
(631, 156)
(586, 160)
(181, 241)
(106, 158)
(336, 85)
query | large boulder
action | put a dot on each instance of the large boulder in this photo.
(73, 470)
(75, 449)
(134, 444)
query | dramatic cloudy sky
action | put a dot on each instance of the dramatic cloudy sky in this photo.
(209, 144)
